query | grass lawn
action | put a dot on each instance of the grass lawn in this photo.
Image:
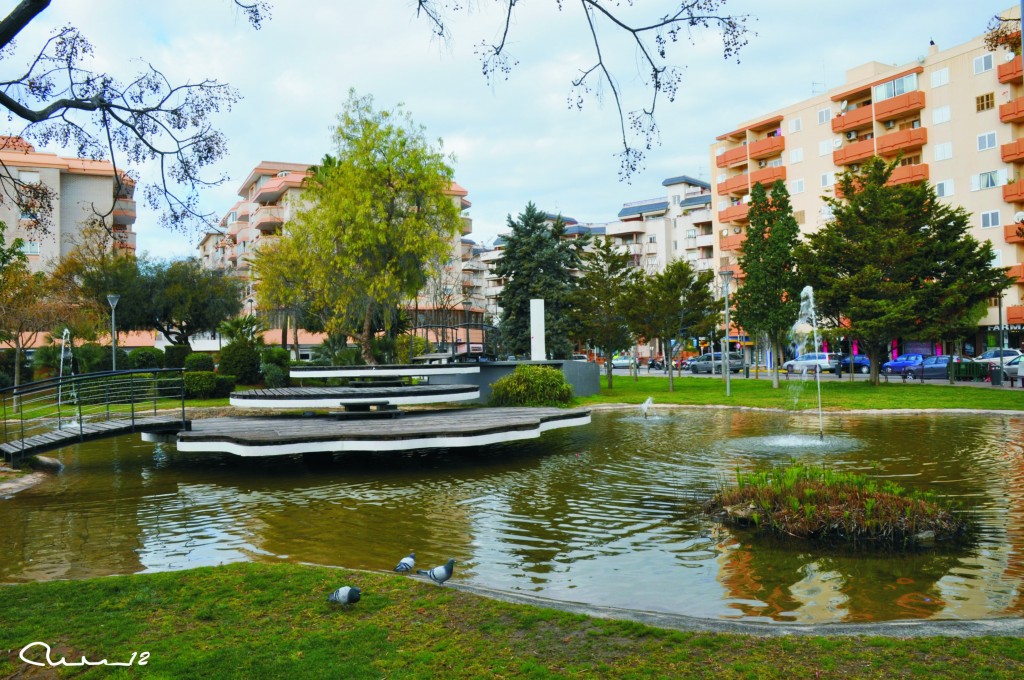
(836, 395)
(268, 621)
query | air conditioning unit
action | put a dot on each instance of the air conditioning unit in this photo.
(851, 135)
(890, 124)
(762, 164)
(854, 167)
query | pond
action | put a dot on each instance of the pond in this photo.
(605, 514)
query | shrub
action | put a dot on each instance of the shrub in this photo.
(7, 367)
(197, 361)
(242, 360)
(274, 376)
(146, 357)
(278, 356)
(531, 385)
(174, 355)
(200, 384)
(90, 358)
(225, 386)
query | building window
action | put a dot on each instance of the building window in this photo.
(828, 179)
(675, 245)
(652, 239)
(990, 219)
(775, 163)
(824, 147)
(987, 141)
(940, 77)
(795, 125)
(796, 186)
(894, 88)
(984, 102)
(988, 180)
(30, 247)
(798, 216)
(824, 115)
(983, 63)
(944, 151)
(796, 155)
(941, 115)
(944, 188)
(826, 212)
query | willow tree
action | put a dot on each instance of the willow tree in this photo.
(378, 214)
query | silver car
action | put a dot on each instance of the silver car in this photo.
(712, 363)
(813, 362)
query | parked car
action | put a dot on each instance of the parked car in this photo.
(706, 362)
(994, 354)
(903, 361)
(621, 361)
(580, 357)
(936, 366)
(861, 363)
(1011, 368)
(813, 362)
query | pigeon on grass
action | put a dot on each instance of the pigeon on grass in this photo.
(345, 595)
(439, 574)
(406, 564)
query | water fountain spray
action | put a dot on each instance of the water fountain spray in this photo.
(807, 313)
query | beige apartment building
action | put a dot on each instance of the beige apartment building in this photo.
(954, 116)
(84, 191)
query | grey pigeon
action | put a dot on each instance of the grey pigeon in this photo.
(406, 564)
(345, 595)
(439, 574)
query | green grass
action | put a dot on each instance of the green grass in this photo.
(836, 395)
(269, 621)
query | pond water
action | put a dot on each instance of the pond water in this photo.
(605, 514)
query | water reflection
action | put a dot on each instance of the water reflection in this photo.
(607, 514)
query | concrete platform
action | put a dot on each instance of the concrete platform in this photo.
(383, 371)
(336, 397)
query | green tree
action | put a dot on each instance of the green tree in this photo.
(674, 304)
(186, 298)
(379, 214)
(247, 327)
(537, 264)
(598, 302)
(768, 302)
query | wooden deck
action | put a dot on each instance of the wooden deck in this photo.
(334, 397)
(277, 436)
(71, 434)
(389, 371)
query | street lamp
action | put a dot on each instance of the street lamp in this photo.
(112, 299)
(726, 275)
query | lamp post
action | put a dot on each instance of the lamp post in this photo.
(1001, 340)
(726, 275)
(112, 299)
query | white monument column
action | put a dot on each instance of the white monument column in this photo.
(537, 350)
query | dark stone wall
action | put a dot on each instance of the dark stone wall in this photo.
(584, 376)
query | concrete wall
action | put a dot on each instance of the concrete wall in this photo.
(584, 376)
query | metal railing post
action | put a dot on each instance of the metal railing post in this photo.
(81, 425)
(181, 383)
(131, 397)
(106, 395)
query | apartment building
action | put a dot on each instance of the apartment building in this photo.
(954, 116)
(84, 191)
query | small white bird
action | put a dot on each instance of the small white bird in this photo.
(439, 574)
(406, 564)
(345, 595)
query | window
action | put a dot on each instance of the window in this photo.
(984, 102)
(796, 186)
(824, 115)
(894, 88)
(795, 125)
(652, 239)
(940, 77)
(944, 151)
(30, 247)
(825, 147)
(987, 141)
(826, 212)
(944, 188)
(675, 245)
(941, 115)
(796, 155)
(828, 179)
(983, 63)
(691, 233)
(775, 163)
(798, 216)
(990, 219)
(988, 180)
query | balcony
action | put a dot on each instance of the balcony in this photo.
(1011, 71)
(894, 142)
(268, 217)
(702, 264)
(1012, 111)
(625, 228)
(704, 241)
(124, 211)
(734, 185)
(767, 176)
(1014, 192)
(734, 268)
(1012, 152)
(467, 225)
(1010, 234)
(894, 107)
(732, 157)
(123, 239)
(1015, 314)
(732, 242)
(854, 153)
(851, 120)
(906, 174)
(734, 213)
(1016, 273)
(652, 248)
(769, 146)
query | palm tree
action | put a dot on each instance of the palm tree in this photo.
(247, 327)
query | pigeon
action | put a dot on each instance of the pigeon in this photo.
(345, 595)
(406, 564)
(439, 574)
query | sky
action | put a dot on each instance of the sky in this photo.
(514, 139)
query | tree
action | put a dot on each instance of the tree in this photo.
(674, 304)
(652, 37)
(537, 264)
(922, 275)
(186, 299)
(278, 266)
(768, 302)
(62, 100)
(598, 303)
(378, 215)
(247, 328)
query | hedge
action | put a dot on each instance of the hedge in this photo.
(197, 361)
(531, 385)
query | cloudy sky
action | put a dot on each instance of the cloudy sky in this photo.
(515, 140)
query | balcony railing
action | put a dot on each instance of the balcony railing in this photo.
(909, 173)
(1012, 111)
(856, 118)
(894, 142)
(854, 153)
(769, 146)
(734, 213)
(1011, 71)
(1012, 152)
(268, 217)
(1013, 193)
(1015, 314)
(1010, 233)
(899, 105)
(1016, 272)
(732, 157)
(732, 242)
(124, 211)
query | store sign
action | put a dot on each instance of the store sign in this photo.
(1005, 327)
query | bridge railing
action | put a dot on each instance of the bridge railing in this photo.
(68, 403)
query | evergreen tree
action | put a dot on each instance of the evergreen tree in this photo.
(768, 302)
(538, 263)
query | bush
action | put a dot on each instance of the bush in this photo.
(242, 360)
(146, 357)
(274, 376)
(104, 363)
(174, 355)
(200, 384)
(225, 386)
(531, 385)
(278, 356)
(197, 361)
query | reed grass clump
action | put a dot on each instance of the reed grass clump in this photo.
(829, 506)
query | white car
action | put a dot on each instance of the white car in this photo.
(621, 361)
(813, 362)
